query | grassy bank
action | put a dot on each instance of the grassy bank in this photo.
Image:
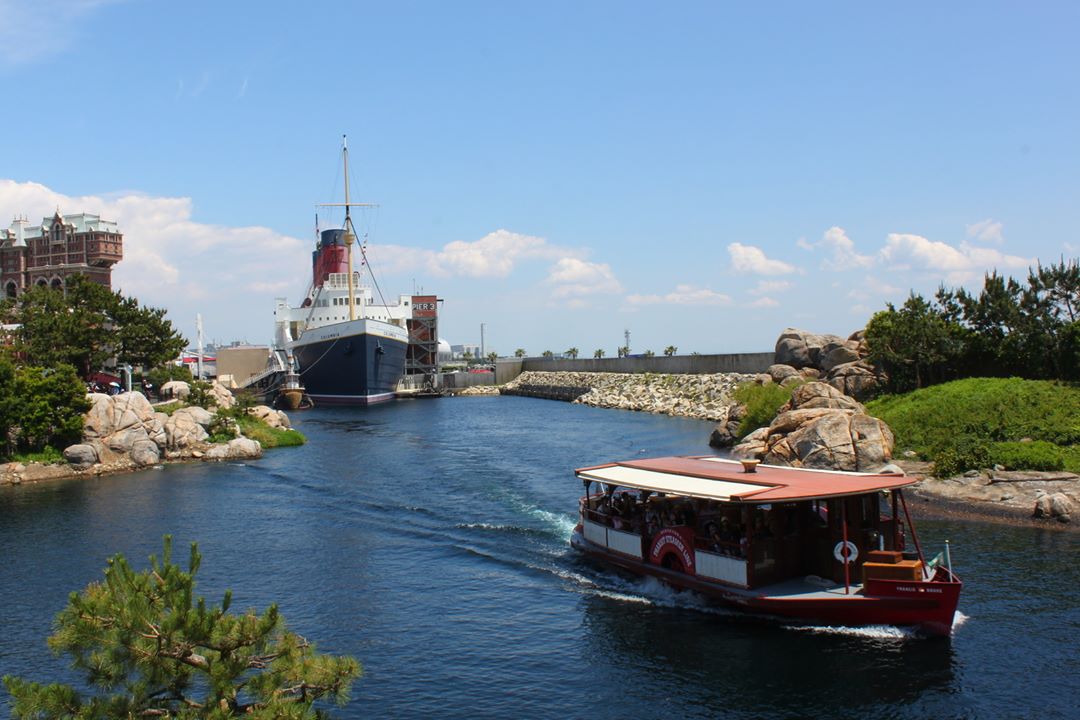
(979, 422)
(267, 436)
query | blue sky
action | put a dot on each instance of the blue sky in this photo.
(702, 174)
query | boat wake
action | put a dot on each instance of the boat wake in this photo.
(875, 632)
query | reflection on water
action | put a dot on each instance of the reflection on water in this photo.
(430, 539)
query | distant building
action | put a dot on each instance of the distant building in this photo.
(61, 246)
(460, 350)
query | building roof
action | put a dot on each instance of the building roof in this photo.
(82, 222)
(713, 478)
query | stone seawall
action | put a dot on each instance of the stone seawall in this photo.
(704, 397)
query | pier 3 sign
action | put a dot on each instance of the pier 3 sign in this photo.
(425, 306)
(674, 544)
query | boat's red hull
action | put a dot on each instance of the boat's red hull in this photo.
(929, 606)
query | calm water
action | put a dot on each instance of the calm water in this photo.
(429, 539)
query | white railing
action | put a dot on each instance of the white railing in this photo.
(595, 533)
(624, 542)
(721, 567)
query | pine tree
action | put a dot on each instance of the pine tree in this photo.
(154, 649)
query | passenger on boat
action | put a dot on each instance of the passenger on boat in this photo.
(730, 537)
(652, 520)
(716, 541)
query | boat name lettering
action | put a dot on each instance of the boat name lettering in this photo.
(672, 538)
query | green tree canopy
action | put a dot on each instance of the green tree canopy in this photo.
(153, 649)
(87, 324)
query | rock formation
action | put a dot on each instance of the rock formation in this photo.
(842, 362)
(123, 432)
(821, 428)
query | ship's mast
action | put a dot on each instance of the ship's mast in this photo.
(350, 234)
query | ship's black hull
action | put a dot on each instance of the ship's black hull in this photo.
(359, 369)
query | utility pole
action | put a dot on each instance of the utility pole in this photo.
(626, 335)
(198, 345)
(483, 357)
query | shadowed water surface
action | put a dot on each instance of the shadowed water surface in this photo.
(429, 539)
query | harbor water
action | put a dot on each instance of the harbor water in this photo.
(430, 540)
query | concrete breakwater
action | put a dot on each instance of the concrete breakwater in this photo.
(703, 397)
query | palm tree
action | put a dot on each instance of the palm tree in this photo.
(670, 350)
(519, 353)
(649, 353)
(492, 356)
(548, 354)
(572, 353)
(467, 357)
(599, 353)
(624, 351)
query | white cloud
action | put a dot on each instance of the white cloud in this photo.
(747, 258)
(173, 261)
(574, 278)
(765, 287)
(493, 256)
(988, 231)
(682, 295)
(841, 249)
(764, 302)
(959, 264)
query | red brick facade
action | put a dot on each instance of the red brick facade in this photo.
(58, 248)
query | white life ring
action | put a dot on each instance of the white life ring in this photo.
(852, 551)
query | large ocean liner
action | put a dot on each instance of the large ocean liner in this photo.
(347, 349)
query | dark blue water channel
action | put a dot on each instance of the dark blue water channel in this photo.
(429, 539)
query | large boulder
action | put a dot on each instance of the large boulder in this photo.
(834, 440)
(779, 373)
(175, 389)
(838, 352)
(118, 422)
(221, 395)
(80, 456)
(236, 449)
(821, 395)
(858, 379)
(187, 427)
(800, 349)
(726, 432)
(752, 446)
(820, 427)
(145, 452)
(270, 416)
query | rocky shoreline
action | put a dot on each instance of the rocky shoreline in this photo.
(702, 397)
(123, 433)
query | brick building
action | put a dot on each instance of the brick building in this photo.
(61, 246)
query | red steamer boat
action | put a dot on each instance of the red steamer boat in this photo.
(816, 545)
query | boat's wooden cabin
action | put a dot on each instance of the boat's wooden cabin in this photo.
(749, 526)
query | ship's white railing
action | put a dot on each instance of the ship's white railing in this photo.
(620, 541)
(721, 567)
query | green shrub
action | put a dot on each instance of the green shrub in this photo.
(762, 402)
(46, 456)
(995, 409)
(164, 373)
(957, 458)
(267, 436)
(222, 429)
(977, 422)
(1036, 455)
